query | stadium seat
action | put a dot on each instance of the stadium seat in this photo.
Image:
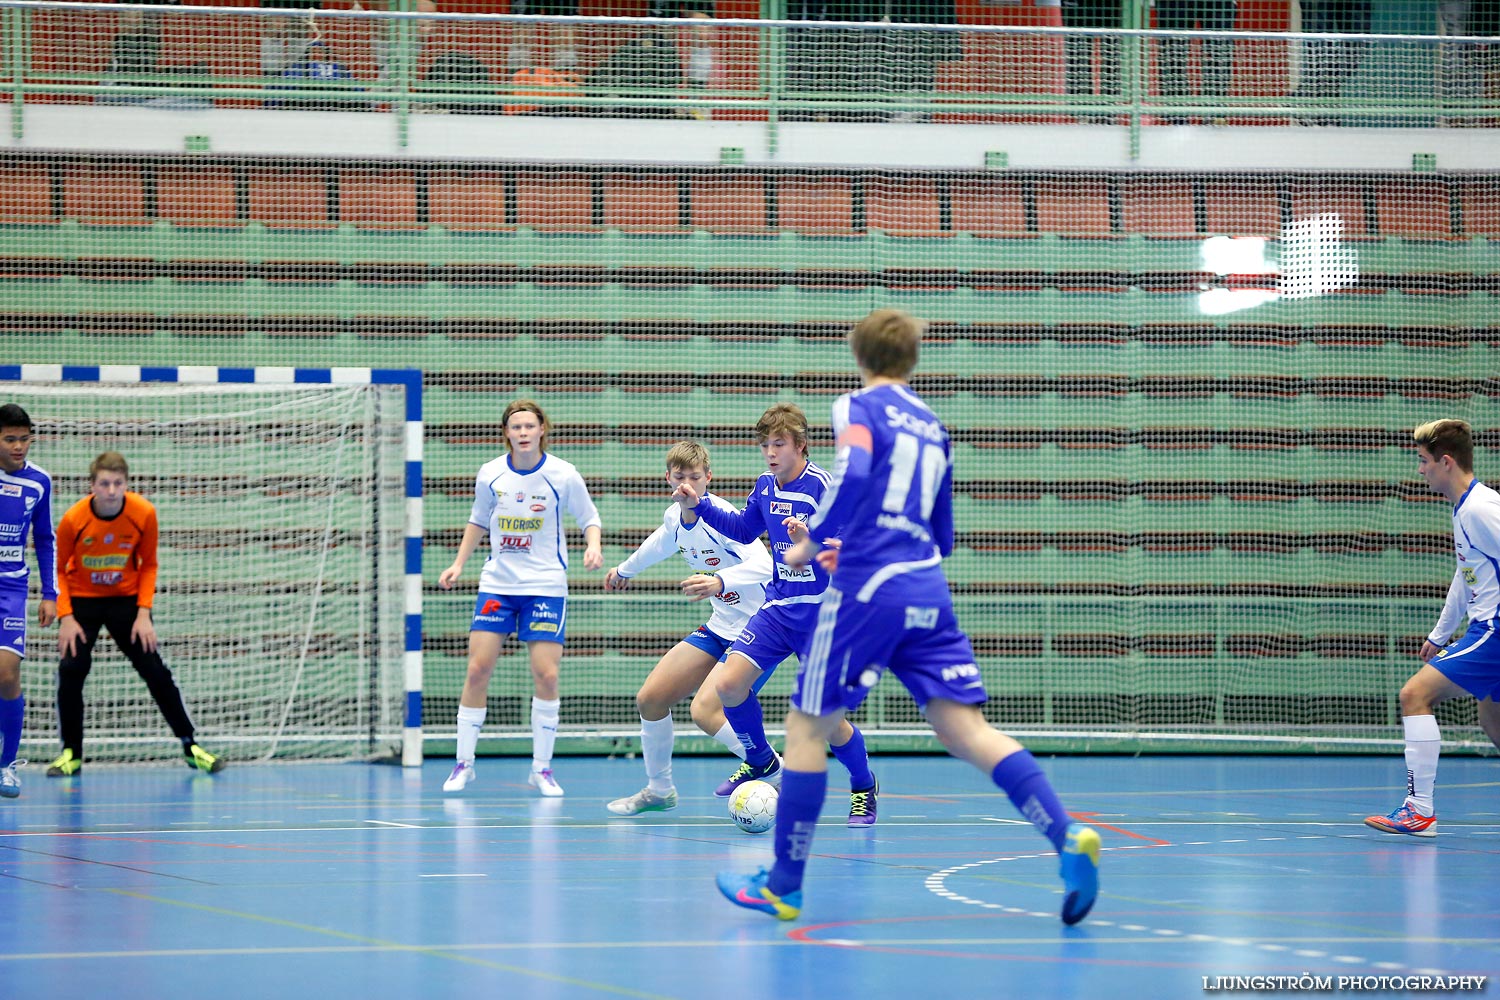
(643, 202)
(26, 193)
(817, 205)
(1416, 208)
(903, 206)
(196, 196)
(105, 194)
(467, 200)
(1479, 198)
(728, 203)
(1158, 206)
(1074, 207)
(1241, 206)
(560, 200)
(378, 199)
(988, 206)
(1344, 198)
(289, 197)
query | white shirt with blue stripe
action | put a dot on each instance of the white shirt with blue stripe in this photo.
(523, 513)
(1475, 591)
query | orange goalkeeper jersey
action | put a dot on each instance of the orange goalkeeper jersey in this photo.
(107, 557)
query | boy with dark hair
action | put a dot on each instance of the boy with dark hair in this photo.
(25, 504)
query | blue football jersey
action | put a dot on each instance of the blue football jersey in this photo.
(767, 506)
(897, 524)
(26, 505)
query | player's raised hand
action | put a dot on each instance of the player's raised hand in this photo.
(685, 496)
(796, 529)
(448, 577)
(702, 585)
(614, 581)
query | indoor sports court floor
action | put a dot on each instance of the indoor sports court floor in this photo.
(366, 881)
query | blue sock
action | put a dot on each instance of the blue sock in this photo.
(1020, 777)
(797, 812)
(750, 727)
(852, 755)
(12, 715)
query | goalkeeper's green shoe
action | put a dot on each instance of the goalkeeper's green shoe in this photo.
(200, 759)
(65, 765)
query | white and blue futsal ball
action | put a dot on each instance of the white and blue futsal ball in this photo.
(752, 806)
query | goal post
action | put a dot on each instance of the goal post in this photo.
(289, 602)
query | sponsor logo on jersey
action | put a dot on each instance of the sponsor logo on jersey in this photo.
(515, 543)
(10, 553)
(746, 635)
(9, 490)
(117, 560)
(520, 497)
(12, 623)
(785, 572)
(1469, 576)
(962, 670)
(542, 609)
(490, 606)
(11, 529)
(730, 597)
(929, 429)
(538, 496)
(105, 579)
(921, 617)
(88, 540)
(712, 562)
(109, 539)
(518, 523)
(781, 508)
(544, 626)
(538, 507)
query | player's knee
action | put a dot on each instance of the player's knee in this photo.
(650, 706)
(1415, 700)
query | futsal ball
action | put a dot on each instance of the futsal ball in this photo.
(752, 806)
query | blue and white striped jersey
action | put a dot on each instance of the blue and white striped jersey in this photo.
(1475, 590)
(523, 513)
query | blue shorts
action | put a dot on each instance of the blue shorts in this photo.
(1473, 662)
(527, 618)
(712, 643)
(13, 619)
(854, 644)
(773, 633)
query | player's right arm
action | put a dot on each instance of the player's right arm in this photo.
(658, 545)
(1447, 623)
(69, 632)
(473, 535)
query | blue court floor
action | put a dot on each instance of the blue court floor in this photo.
(366, 881)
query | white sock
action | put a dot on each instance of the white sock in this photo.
(543, 731)
(469, 722)
(656, 751)
(1422, 745)
(726, 736)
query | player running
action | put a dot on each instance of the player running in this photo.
(519, 501)
(732, 575)
(888, 608)
(789, 489)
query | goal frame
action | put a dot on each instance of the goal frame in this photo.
(408, 379)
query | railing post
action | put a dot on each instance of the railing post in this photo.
(15, 61)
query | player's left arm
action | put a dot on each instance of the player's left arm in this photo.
(942, 514)
(44, 538)
(581, 506)
(143, 630)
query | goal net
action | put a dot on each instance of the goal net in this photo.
(279, 599)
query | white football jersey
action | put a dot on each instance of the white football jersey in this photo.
(523, 513)
(745, 567)
(1475, 590)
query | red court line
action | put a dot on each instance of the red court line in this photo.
(1088, 817)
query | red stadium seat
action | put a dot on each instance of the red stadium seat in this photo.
(105, 194)
(1416, 207)
(1074, 207)
(989, 206)
(1479, 198)
(643, 202)
(467, 201)
(196, 196)
(817, 206)
(728, 203)
(289, 197)
(1241, 206)
(903, 206)
(555, 200)
(378, 199)
(1158, 206)
(1326, 196)
(26, 193)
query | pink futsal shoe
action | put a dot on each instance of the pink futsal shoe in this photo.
(1404, 819)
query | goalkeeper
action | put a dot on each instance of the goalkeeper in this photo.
(106, 556)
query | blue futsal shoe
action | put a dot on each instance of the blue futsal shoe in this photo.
(1080, 872)
(750, 892)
